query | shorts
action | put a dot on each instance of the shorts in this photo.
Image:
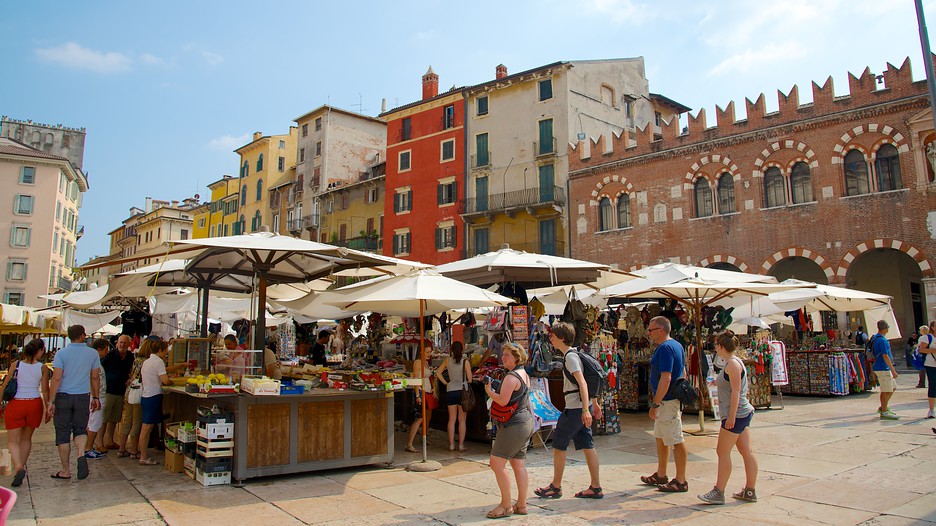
(668, 424)
(888, 383)
(23, 413)
(512, 440)
(71, 416)
(96, 418)
(740, 424)
(132, 420)
(571, 429)
(453, 397)
(112, 406)
(152, 409)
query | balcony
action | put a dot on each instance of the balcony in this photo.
(482, 160)
(294, 225)
(310, 221)
(544, 148)
(366, 243)
(64, 284)
(530, 197)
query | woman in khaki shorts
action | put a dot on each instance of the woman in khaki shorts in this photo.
(132, 413)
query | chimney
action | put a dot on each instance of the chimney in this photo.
(149, 205)
(430, 84)
(383, 105)
(500, 71)
(257, 135)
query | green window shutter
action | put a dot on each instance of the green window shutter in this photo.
(439, 193)
(438, 238)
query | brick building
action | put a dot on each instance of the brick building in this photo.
(836, 191)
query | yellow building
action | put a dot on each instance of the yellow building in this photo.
(200, 220)
(222, 208)
(352, 212)
(264, 164)
(146, 231)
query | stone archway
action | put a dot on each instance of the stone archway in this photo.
(724, 262)
(799, 267)
(886, 270)
(803, 253)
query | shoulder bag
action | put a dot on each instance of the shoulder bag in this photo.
(503, 413)
(9, 392)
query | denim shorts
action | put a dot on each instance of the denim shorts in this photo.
(571, 429)
(740, 424)
(453, 397)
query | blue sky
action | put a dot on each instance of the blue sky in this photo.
(168, 89)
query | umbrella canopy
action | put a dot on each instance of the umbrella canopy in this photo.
(312, 306)
(825, 297)
(669, 273)
(530, 269)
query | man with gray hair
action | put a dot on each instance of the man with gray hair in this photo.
(117, 367)
(884, 369)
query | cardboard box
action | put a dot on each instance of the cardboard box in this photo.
(174, 462)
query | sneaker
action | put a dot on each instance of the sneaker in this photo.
(889, 415)
(93, 454)
(931, 413)
(715, 496)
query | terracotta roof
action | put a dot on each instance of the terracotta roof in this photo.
(11, 147)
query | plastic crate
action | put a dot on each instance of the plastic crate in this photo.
(292, 389)
(220, 418)
(212, 479)
(215, 431)
(214, 465)
(185, 435)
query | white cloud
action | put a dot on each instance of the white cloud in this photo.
(75, 56)
(212, 58)
(228, 142)
(153, 60)
(753, 59)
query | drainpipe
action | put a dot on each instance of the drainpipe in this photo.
(568, 217)
(465, 163)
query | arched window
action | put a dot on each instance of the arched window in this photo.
(255, 222)
(887, 166)
(703, 198)
(604, 215)
(259, 189)
(801, 183)
(245, 169)
(243, 195)
(856, 174)
(726, 201)
(774, 194)
(623, 211)
(260, 163)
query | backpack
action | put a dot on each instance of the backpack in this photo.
(596, 378)
(869, 349)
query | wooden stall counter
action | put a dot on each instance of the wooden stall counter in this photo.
(321, 429)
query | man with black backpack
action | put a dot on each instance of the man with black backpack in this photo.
(575, 422)
(667, 365)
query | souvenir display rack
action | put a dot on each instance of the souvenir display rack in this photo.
(824, 372)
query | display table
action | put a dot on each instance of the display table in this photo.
(822, 372)
(322, 429)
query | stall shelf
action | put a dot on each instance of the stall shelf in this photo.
(322, 429)
(824, 372)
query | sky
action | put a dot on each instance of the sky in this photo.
(167, 90)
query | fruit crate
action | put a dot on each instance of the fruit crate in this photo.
(215, 431)
(214, 465)
(215, 448)
(212, 479)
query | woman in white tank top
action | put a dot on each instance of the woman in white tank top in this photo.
(25, 412)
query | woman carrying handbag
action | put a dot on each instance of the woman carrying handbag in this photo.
(25, 411)
(132, 419)
(459, 372)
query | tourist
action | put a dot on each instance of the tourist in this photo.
(861, 339)
(117, 367)
(736, 412)
(75, 387)
(928, 349)
(510, 443)
(319, 356)
(96, 418)
(884, 369)
(24, 413)
(575, 422)
(421, 370)
(667, 365)
(459, 371)
(132, 421)
(154, 375)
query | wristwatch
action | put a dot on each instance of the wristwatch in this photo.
(654, 405)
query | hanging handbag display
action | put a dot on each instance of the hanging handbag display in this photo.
(542, 361)
(9, 392)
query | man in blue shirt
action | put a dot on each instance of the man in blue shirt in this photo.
(884, 369)
(75, 392)
(666, 366)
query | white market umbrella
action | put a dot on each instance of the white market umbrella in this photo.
(669, 273)
(508, 265)
(312, 307)
(419, 293)
(828, 298)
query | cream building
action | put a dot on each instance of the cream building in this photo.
(147, 231)
(335, 147)
(39, 221)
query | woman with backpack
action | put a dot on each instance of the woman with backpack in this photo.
(459, 372)
(736, 411)
(927, 347)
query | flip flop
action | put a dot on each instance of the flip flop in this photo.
(18, 478)
(149, 462)
(82, 468)
(123, 454)
(58, 475)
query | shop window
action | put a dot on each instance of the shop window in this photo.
(726, 198)
(773, 188)
(604, 215)
(260, 163)
(703, 198)
(545, 89)
(623, 211)
(887, 166)
(801, 183)
(856, 174)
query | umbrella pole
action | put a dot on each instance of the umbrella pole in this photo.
(204, 312)
(702, 388)
(422, 366)
(260, 326)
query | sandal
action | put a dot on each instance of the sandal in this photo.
(508, 511)
(18, 478)
(674, 486)
(549, 492)
(747, 495)
(654, 480)
(123, 454)
(519, 510)
(410, 448)
(149, 462)
(595, 493)
(134, 455)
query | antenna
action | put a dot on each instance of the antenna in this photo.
(360, 104)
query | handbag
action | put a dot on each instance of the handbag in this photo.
(503, 413)
(541, 366)
(468, 399)
(495, 320)
(9, 392)
(135, 393)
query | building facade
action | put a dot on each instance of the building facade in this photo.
(837, 191)
(335, 147)
(39, 220)
(425, 176)
(353, 212)
(148, 230)
(264, 163)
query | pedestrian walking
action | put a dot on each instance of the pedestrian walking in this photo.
(575, 422)
(25, 412)
(884, 369)
(513, 436)
(928, 349)
(74, 394)
(96, 418)
(737, 412)
(459, 372)
(667, 365)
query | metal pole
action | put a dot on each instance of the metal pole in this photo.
(204, 311)
(423, 367)
(260, 326)
(927, 58)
